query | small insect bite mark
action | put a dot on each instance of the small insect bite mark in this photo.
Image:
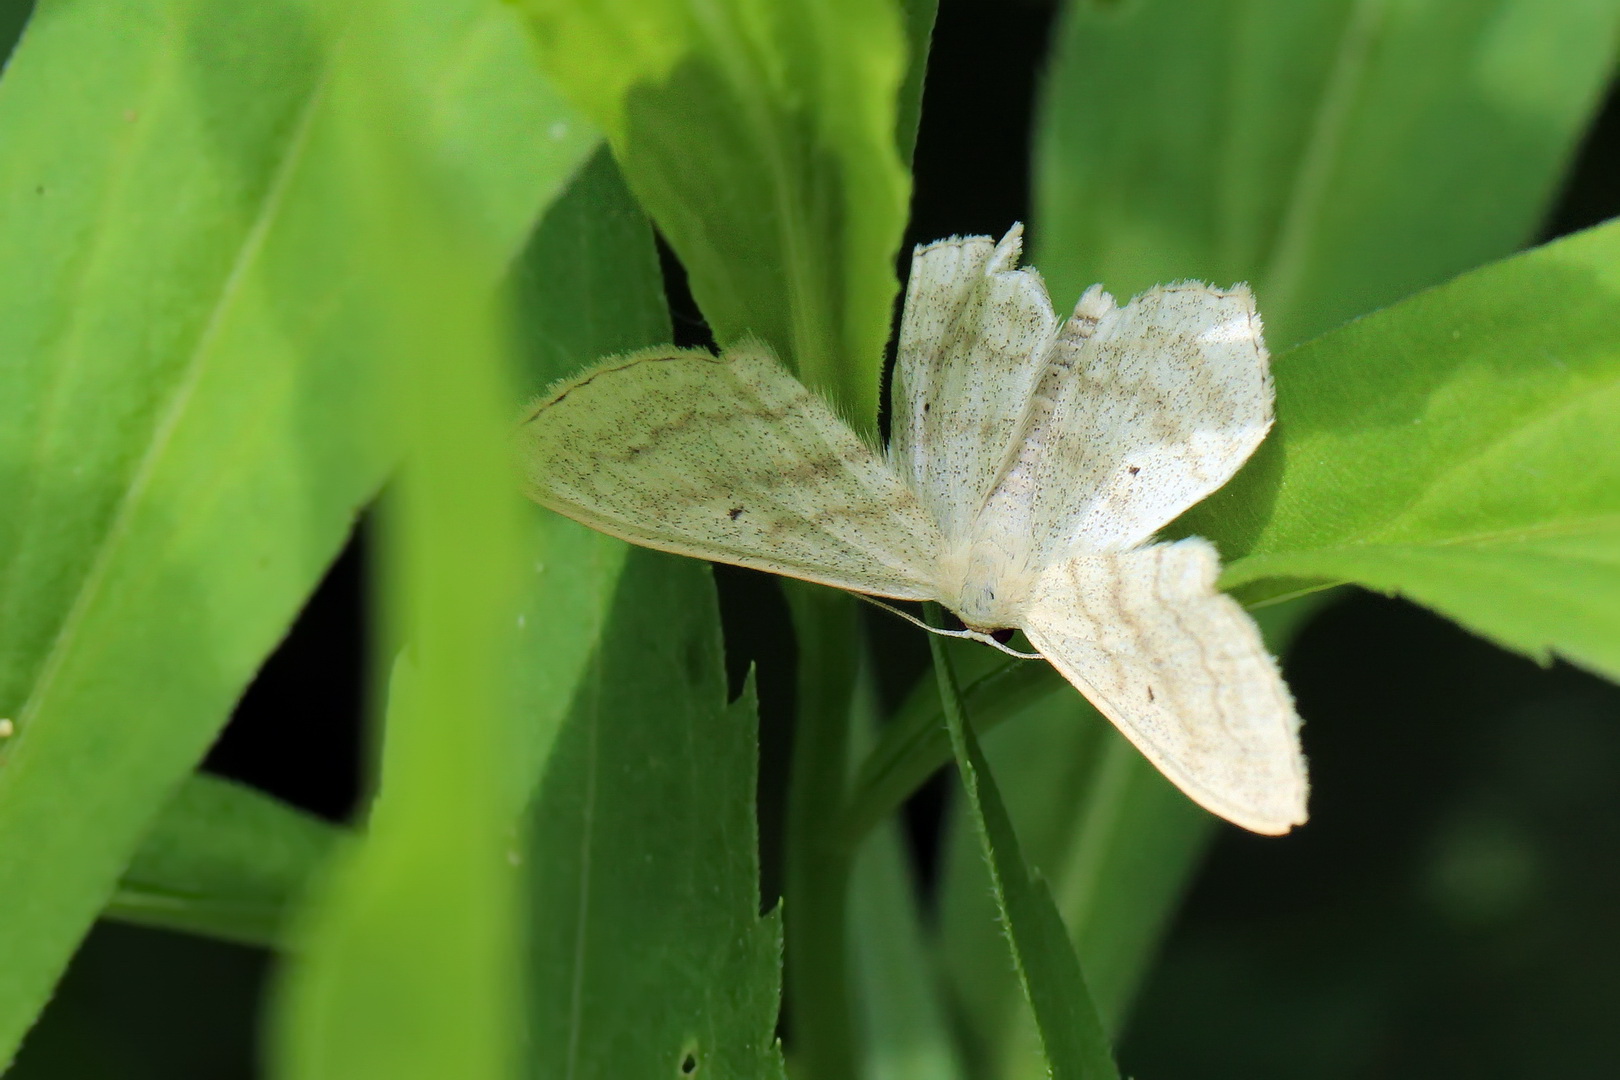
(689, 1063)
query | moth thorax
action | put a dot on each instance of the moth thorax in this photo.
(987, 585)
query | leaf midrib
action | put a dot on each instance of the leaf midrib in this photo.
(1567, 529)
(192, 371)
(67, 351)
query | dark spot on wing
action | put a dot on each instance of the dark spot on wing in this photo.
(1150, 693)
(1133, 469)
(734, 513)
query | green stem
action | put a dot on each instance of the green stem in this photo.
(818, 859)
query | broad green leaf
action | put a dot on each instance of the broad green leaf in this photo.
(1462, 449)
(1339, 154)
(226, 861)
(1071, 1034)
(647, 953)
(408, 963)
(587, 285)
(646, 946)
(189, 411)
(760, 137)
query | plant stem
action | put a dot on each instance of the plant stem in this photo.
(818, 860)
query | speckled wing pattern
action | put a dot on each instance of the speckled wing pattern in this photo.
(1182, 672)
(974, 336)
(1095, 435)
(1141, 411)
(1039, 457)
(727, 458)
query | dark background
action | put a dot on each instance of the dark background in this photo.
(1452, 910)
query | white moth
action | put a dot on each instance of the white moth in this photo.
(1030, 464)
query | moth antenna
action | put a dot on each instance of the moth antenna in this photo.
(971, 635)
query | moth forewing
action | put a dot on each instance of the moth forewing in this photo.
(728, 458)
(974, 337)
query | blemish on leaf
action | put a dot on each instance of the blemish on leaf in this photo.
(689, 1061)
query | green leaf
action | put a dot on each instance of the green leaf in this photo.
(607, 891)
(1338, 155)
(919, 30)
(587, 285)
(189, 415)
(226, 861)
(1458, 449)
(760, 137)
(647, 954)
(1071, 1035)
(408, 963)
(645, 819)
(915, 742)
(903, 1025)
(903, 1028)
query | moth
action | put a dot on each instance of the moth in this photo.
(1030, 463)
